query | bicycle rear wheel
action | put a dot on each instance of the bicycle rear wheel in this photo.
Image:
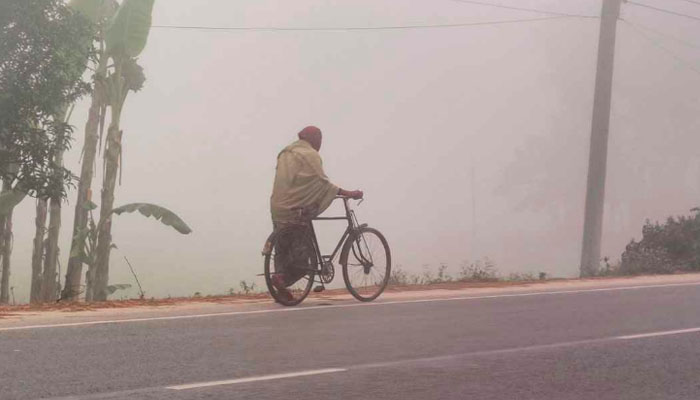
(290, 265)
(366, 264)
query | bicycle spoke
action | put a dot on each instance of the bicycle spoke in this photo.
(374, 273)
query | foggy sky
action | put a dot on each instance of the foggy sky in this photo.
(407, 115)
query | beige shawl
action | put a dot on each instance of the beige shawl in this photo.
(300, 184)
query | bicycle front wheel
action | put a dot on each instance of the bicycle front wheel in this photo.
(366, 264)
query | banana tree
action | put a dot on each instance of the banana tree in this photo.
(101, 13)
(38, 251)
(88, 237)
(110, 18)
(125, 40)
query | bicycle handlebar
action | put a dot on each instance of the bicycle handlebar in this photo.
(346, 198)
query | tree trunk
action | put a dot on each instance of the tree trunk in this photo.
(74, 271)
(49, 289)
(49, 276)
(38, 252)
(3, 228)
(5, 251)
(104, 236)
(89, 284)
(6, 254)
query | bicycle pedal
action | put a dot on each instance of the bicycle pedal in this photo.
(319, 289)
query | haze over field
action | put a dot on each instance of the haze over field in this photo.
(407, 116)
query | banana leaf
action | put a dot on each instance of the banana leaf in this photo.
(161, 214)
(128, 33)
(119, 286)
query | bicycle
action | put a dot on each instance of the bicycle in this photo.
(364, 256)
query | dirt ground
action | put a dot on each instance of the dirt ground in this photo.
(72, 306)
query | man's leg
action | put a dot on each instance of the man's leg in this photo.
(303, 254)
(293, 255)
(281, 261)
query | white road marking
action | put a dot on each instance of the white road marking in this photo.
(536, 347)
(256, 378)
(507, 350)
(655, 334)
(393, 363)
(380, 303)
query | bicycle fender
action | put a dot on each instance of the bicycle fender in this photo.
(348, 243)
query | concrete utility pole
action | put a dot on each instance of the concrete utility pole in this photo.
(598, 156)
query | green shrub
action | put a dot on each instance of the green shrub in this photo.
(665, 248)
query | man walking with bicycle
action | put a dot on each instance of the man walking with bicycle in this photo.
(301, 192)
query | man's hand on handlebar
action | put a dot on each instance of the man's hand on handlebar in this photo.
(357, 194)
(353, 194)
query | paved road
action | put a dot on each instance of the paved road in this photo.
(580, 344)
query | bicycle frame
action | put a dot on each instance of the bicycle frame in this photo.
(352, 226)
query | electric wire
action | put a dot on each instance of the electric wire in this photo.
(664, 10)
(533, 10)
(660, 46)
(354, 28)
(660, 33)
(691, 1)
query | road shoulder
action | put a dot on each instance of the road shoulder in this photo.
(145, 310)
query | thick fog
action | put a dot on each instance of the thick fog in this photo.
(433, 124)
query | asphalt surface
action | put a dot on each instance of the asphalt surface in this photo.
(547, 345)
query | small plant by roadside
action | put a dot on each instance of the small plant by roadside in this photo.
(478, 271)
(426, 277)
(247, 288)
(442, 275)
(521, 277)
(399, 277)
(608, 269)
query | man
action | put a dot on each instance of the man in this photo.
(301, 192)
